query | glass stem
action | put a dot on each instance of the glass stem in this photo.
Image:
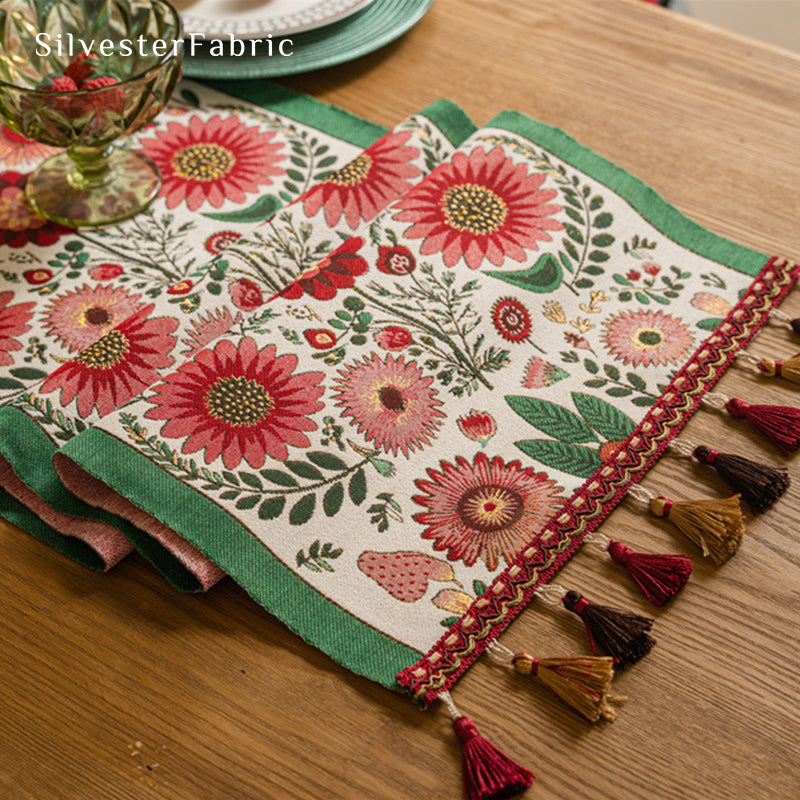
(91, 167)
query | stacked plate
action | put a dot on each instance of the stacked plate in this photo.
(267, 38)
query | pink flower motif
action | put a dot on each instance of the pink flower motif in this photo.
(366, 185)
(105, 272)
(540, 373)
(577, 341)
(117, 367)
(13, 323)
(15, 149)
(393, 337)
(206, 329)
(391, 403)
(711, 303)
(478, 426)
(650, 268)
(245, 294)
(79, 318)
(238, 402)
(646, 338)
(213, 161)
(485, 510)
(481, 206)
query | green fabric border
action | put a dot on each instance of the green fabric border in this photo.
(657, 211)
(304, 109)
(450, 119)
(30, 453)
(208, 526)
(21, 516)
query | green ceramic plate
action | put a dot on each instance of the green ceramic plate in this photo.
(381, 22)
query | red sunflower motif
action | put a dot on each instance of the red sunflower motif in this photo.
(336, 271)
(479, 206)
(212, 161)
(238, 403)
(13, 323)
(486, 509)
(511, 320)
(118, 366)
(19, 223)
(366, 185)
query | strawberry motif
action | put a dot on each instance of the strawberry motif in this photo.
(57, 83)
(404, 575)
(81, 67)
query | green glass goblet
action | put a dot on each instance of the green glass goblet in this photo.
(134, 63)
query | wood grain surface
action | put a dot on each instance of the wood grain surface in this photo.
(115, 686)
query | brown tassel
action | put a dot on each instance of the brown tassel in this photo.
(582, 682)
(789, 369)
(715, 525)
(759, 484)
(489, 774)
(779, 424)
(795, 323)
(621, 634)
(660, 577)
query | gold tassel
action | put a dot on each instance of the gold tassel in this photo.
(789, 369)
(582, 682)
(715, 525)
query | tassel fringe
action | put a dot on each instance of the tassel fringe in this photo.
(715, 525)
(779, 424)
(621, 634)
(488, 773)
(759, 484)
(582, 682)
(789, 369)
(660, 577)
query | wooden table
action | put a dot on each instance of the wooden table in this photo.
(114, 686)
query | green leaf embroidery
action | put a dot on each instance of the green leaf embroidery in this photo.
(605, 418)
(326, 460)
(570, 458)
(303, 510)
(544, 276)
(264, 208)
(552, 419)
(357, 488)
(272, 508)
(281, 478)
(305, 470)
(332, 501)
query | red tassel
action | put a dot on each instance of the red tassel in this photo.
(621, 634)
(488, 773)
(759, 484)
(660, 577)
(779, 424)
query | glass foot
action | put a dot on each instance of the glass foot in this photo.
(122, 185)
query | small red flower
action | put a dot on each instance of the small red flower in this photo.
(182, 287)
(652, 269)
(37, 276)
(393, 337)
(511, 319)
(246, 295)
(633, 275)
(105, 272)
(477, 426)
(337, 271)
(396, 260)
(320, 338)
(577, 341)
(218, 242)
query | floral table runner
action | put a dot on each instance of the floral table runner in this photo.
(99, 314)
(426, 422)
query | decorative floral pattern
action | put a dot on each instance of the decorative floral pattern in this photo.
(481, 206)
(646, 338)
(478, 426)
(205, 329)
(238, 402)
(79, 318)
(390, 402)
(213, 161)
(15, 149)
(19, 223)
(511, 319)
(336, 271)
(13, 323)
(365, 186)
(117, 367)
(486, 510)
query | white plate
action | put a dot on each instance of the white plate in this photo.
(252, 18)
